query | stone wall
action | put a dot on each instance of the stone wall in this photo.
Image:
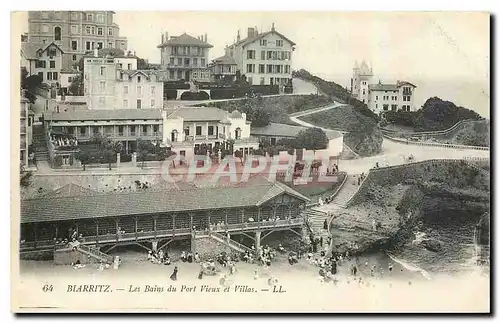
(207, 247)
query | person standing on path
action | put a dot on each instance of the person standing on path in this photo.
(174, 274)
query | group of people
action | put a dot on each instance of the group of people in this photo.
(361, 178)
(189, 257)
(218, 226)
(159, 257)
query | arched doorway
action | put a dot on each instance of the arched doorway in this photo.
(57, 33)
(173, 135)
(237, 133)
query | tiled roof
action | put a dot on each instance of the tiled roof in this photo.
(29, 50)
(401, 83)
(246, 41)
(226, 60)
(146, 202)
(44, 48)
(333, 134)
(185, 39)
(277, 129)
(383, 87)
(119, 114)
(198, 114)
(145, 72)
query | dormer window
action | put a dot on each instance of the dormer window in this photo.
(138, 79)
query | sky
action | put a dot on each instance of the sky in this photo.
(430, 47)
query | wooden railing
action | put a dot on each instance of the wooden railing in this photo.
(233, 244)
(96, 253)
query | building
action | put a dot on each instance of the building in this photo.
(264, 58)
(109, 85)
(186, 129)
(66, 79)
(392, 97)
(106, 220)
(43, 60)
(26, 131)
(75, 32)
(274, 132)
(124, 125)
(185, 57)
(223, 69)
(362, 77)
(29, 57)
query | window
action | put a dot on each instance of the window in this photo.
(102, 70)
(100, 18)
(100, 31)
(102, 101)
(74, 29)
(262, 55)
(145, 129)
(198, 130)
(89, 17)
(74, 57)
(139, 103)
(40, 64)
(186, 62)
(74, 45)
(138, 79)
(110, 31)
(125, 104)
(394, 107)
(57, 33)
(210, 130)
(279, 43)
(70, 79)
(376, 106)
(262, 80)
(125, 89)
(262, 68)
(102, 86)
(88, 45)
(263, 42)
(153, 90)
(376, 97)
(110, 45)
(75, 15)
(83, 130)
(92, 30)
(99, 45)
(186, 131)
(364, 92)
(287, 69)
(152, 103)
(269, 68)
(139, 90)
(52, 64)
(203, 62)
(250, 54)
(179, 61)
(250, 68)
(155, 128)
(386, 107)
(195, 62)
(52, 53)
(132, 130)
(172, 60)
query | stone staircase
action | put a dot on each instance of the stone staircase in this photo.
(39, 143)
(346, 192)
(316, 219)
(231, 243)
(95, 253)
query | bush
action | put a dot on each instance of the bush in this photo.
(124, 158)
(265, 89)
(169, 94)
(227, 93)
(195, 96)
(175, 86)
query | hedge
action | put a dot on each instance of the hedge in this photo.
(194, 96)
(169, 94)
(175, 86)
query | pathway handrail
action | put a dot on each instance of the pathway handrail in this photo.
(434, 144)
(435, 132)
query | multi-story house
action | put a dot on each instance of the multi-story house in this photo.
(361, 79)
(391, 97)
(185, 57)
(29, 57)
(264, 58)
(75, 32)
(43, 60)
(109, 84)
(223, 69)
(186, 129)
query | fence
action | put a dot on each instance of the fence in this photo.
(435, 144)
(436, 132)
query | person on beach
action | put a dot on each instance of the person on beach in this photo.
(333, 269)
(390, 267)
(183, 256)
(196, 257)
(200, 275)
(372, 271)
(174, 274)
(325, 225)
(255, 274)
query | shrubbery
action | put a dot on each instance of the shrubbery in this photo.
(195, 96)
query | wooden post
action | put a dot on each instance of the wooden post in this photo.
(117, 230)
(35, 236)
(257, 241)
(173, 223)
(135, 225)
(225, 213)
(242, 215)
(57, 229)
(191, 220)
(97, 231)
(258, 217)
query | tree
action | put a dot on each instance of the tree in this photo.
(83, 157)
(142, 64)
(30, 84)
(260, 117)
(25, 178)
(312, 139)
(76, 86)
(142, 150)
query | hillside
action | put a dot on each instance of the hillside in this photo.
(364, 137)
(476, 133)
(336, 92)
(435, 114)
(278, 107)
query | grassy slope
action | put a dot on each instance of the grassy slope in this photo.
(364, 137)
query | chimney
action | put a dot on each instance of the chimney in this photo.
(250, 32)
(166, 35)
(96, 52)
(272, 27)
(162, 38)
(238, 36)
(205, 38)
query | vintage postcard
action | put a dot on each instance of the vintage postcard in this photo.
(245, 162)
